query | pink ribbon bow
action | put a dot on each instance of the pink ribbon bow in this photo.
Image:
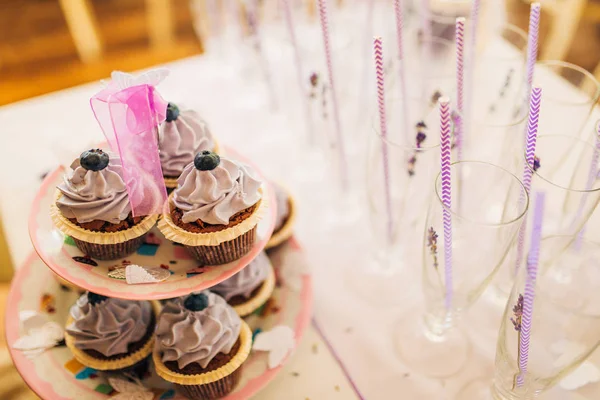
(129, 111)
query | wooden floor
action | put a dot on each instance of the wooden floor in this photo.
(37, 53)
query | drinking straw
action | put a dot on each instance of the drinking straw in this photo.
(287, 12)
(425, 49)
(532, 41)
(446, 159)
(336, 112)
(252, 15)
(402, 66)
(471, 49)
(532, 268)
(378, 53)
(364, 87)
(532, 128)
(592, 175)
(460, 73)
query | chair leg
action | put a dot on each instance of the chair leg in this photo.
(565, 20)
(82, 25)
(159, 15)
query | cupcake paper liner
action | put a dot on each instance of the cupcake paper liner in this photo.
(176, 234)
(120, 363)
(171, 183)
(76, 232)
(215, 390)
(212, 377)
(261, 297)
(287, 230)
(109, 251)
(225, 252)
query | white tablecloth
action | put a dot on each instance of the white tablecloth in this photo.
(40, 133)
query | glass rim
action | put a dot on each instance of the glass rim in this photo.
(587, 75)
(570, 240)
(375, 126)
(576, 139)
(448, 44)
(462, 217)
(519, 32)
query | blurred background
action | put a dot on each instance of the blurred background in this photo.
(49, 45)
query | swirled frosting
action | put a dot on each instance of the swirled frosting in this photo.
(244, 282)
(215, 196)
(283, 206)
(180, 140)
(109, 326)
(189, 337)
(94, 195)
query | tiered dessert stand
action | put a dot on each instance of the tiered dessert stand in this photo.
(55, 374)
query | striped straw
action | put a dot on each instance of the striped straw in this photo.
(446, 159)
(336, 111)
(253, 24)
(532, 267)
(532, 128)
(471, 49)
(532, 41)
(402, 66)
(378, 52)
(425, 20)
(592, 176)
(287, 12)
(460, 73)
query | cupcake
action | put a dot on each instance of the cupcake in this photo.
(285, 218)
(250, 288)
(201, 344)
(110, 334)
(181, 136)
(92, 206)
(214, 210)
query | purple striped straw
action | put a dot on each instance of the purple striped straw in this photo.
(460, 73)
(471, 49)
(378, 53)
(402, 66)
(592, 176)
(287, 12)
(446, 159)
(532, 129)
(532, 41)
(532, 267)
(336, 111)
(425, 20)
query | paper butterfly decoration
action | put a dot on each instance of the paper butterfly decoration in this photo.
(135, 274)
(584, 374)
(279, 342)
(152, 77)
(129, 390)
(41, 334)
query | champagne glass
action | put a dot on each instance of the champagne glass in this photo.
(399, 172)
(570, 93)
(562, 171)
(482, 232)
(565, 328)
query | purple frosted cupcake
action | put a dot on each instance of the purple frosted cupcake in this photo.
(250, 288)
(92, 206)
(201, 344)
(181, 136)
(110, 334)
(285, 219)
(215, 209)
